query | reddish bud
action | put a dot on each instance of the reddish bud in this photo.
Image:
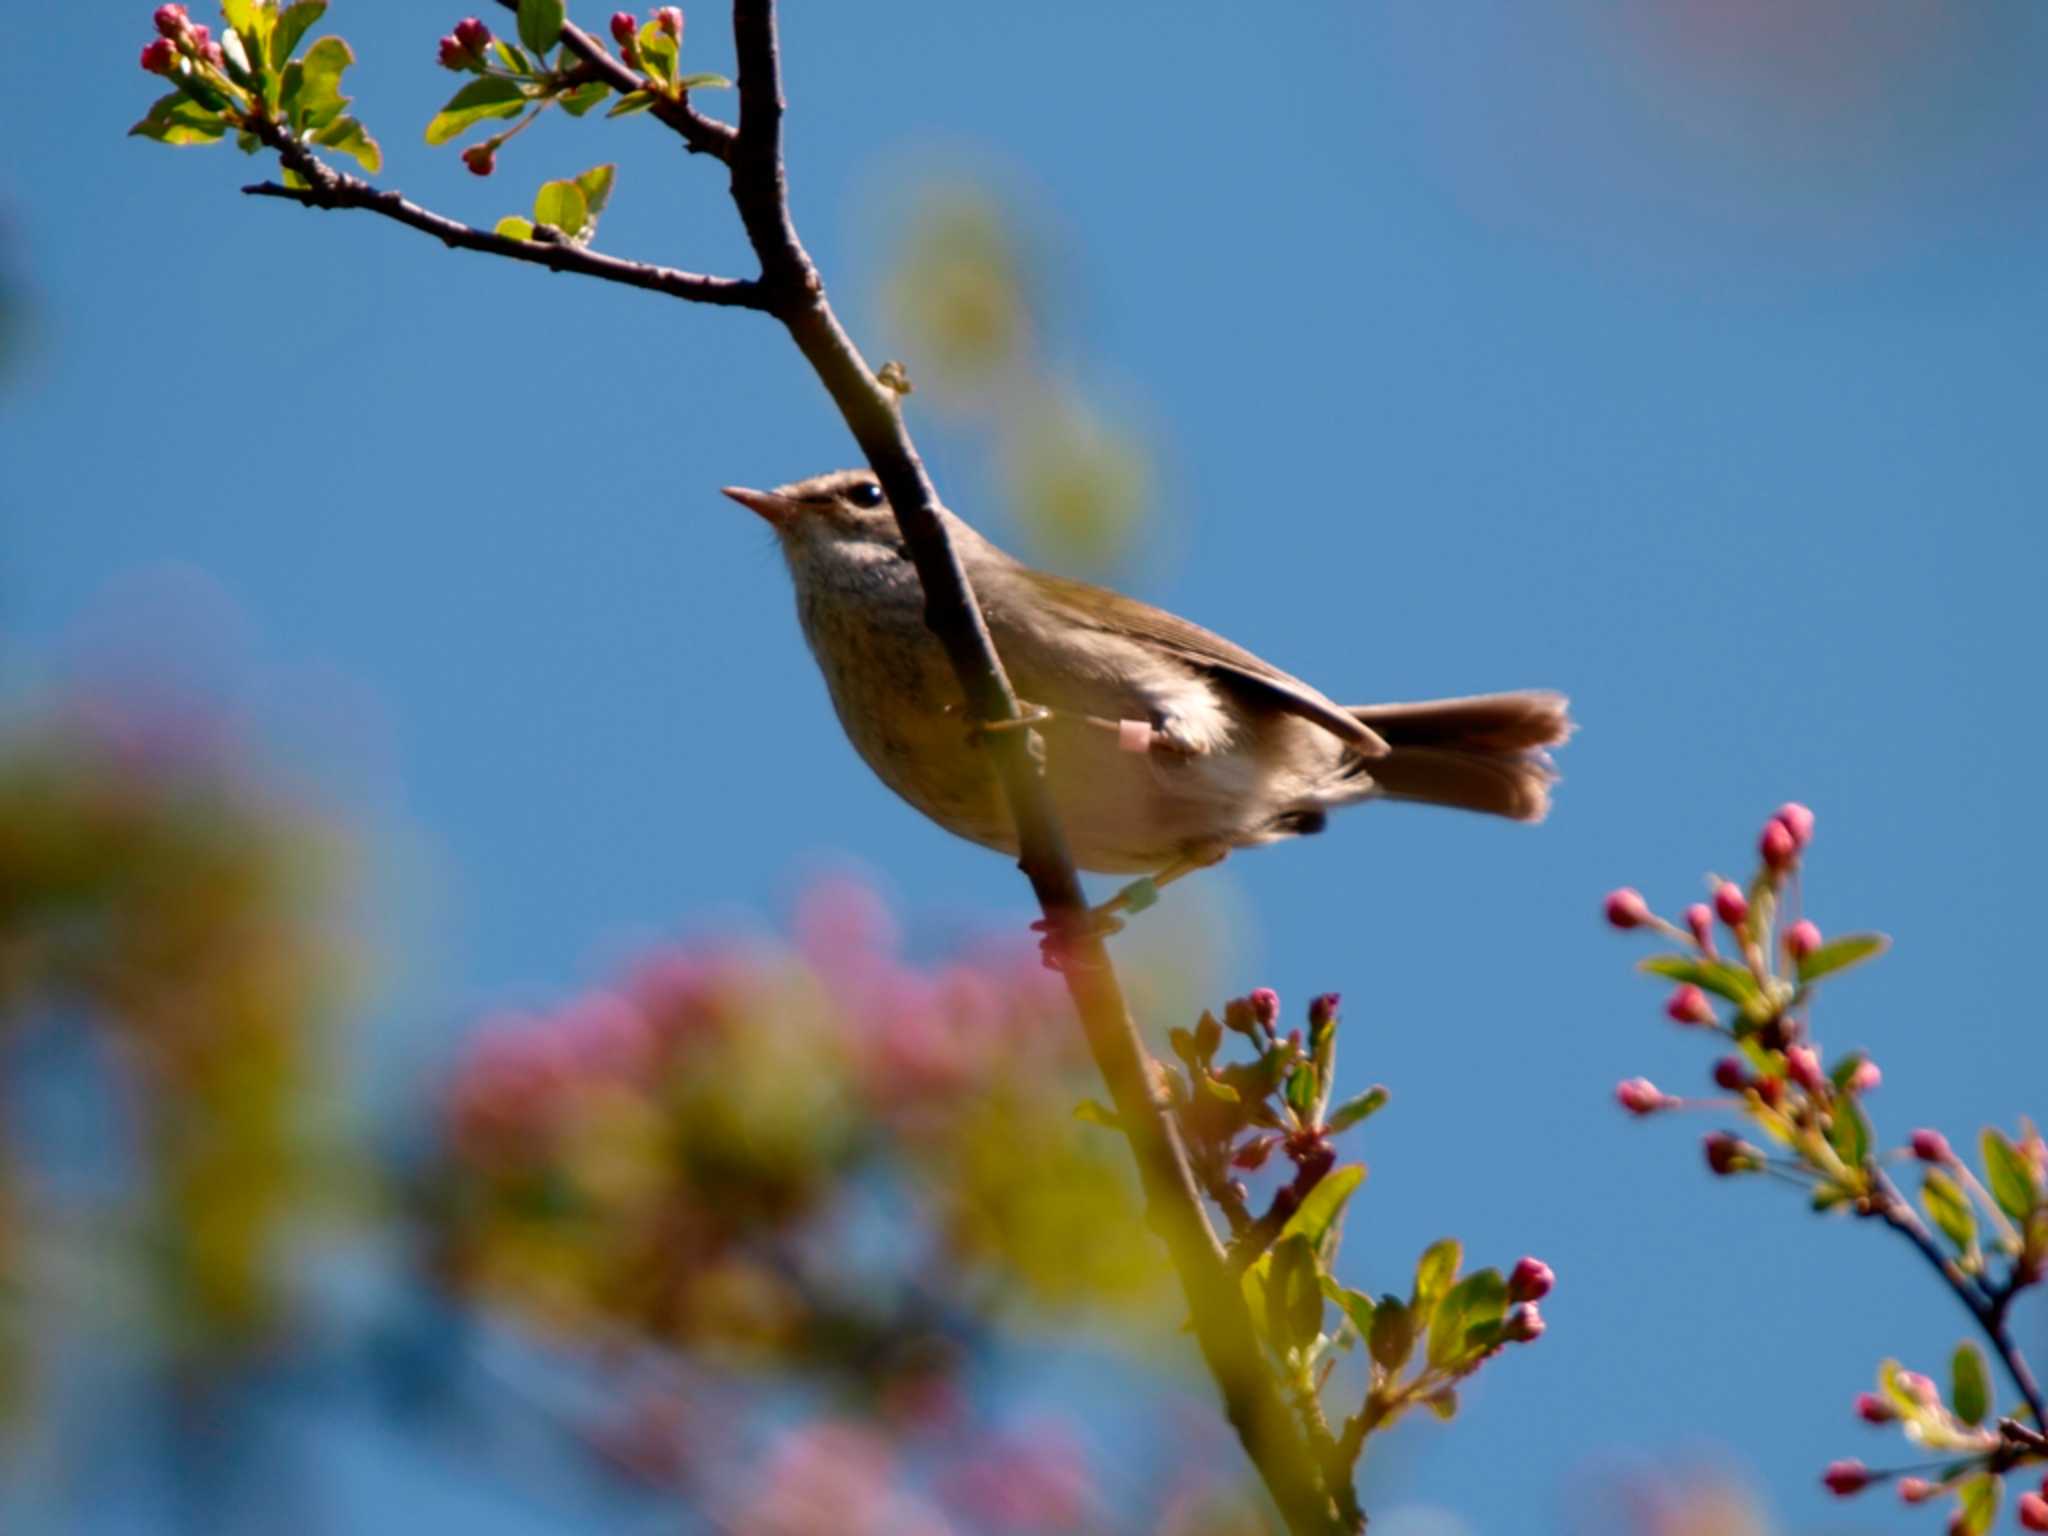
(1689, 1005)
(160, 57)
(1846, 1477)
(1920, 1388)
(473, 35)
(1523, 1325)
(1802, 939)
(1730, 905)
(1640, 1096)
(1797, 820)
(170, 20)
(1872, 1409)
(1866, 1077)
(453, 55)
(1917, 1490)
(1777, 847)
(482, 159)
(1699, 917)
(1530, 1280)
(2033, 1512)
(213, 54)
(1626, 908)
(1265, 1006)
(1731, 1074)
(670, 19)
(1238, 1015)
(625, 27)
(1932, 1147)
(1728, 1154)
(1253, 1154)
(1802, 1065)
(1322, 1010)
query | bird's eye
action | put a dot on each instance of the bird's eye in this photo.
(865, 493)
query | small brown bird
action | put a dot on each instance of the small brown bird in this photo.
(1166, 745)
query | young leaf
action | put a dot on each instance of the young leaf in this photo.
(1481, 1298)
(540, 23)
(316, 96)
(512, 58)
(1348, 1114)
(349, 137)
(1316, 1217)
(597, 186)
(1976, 1506)
(1715, 976)
(584, 97)
(1434, 1272)
(2009, 1174)
(1444, 1404)
(632, 101)
(1092, 1111)
(1393, 1334)
(1295, 1294)
(1969, 1384)
(522, 229)
(1301, 1090)
(1949, 1209)
(703, 83)
(176, 119)
(477, 100)
(1357, 1306)
(291, 26)
(253, 20)
(1849, 1131)
(658, 53)
(1839, 954)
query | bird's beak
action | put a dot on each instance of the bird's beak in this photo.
(775, 510)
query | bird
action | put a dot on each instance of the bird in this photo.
(1167, 747)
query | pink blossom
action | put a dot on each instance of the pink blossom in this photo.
(1730, 905)
(1689, 1005)
(1531, 1280)
(1777, 846)
(1802, 939)
(1626, 908)
(1846, 1477)
(1798, 820)
(1932, 1147)
(1873, 1409)
(1640, 1096)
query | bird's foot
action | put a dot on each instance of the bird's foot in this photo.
(1060, 937)
(1027, 716)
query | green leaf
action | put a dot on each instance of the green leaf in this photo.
(1839, 954)
(476, 101)
(1444, 1404)
(1301, 1090)
(1092, 1111)
(1976, 1506)
(1434, 1272)
(1849, 1131)
(254, 20)
(584, 97)
(1904, 1403)
(1295, 1294)
(1257, 1284)
(703, 83)
(1350, 1113)
(316, 95)
(1969, 1384)
(1316, 1217)
(1392, 1338)
(512, 58)
(291, 26)
(597, 188)
(1949, 1209)
(349, 137)
(177, 119)
(1356, 1305)
(632, 101)
(658, 53)
(2009, 1175)
(513, 228)
(540, 23)
(1478, 1301)
(1716, 976)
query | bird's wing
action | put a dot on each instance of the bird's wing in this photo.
(1112, 613)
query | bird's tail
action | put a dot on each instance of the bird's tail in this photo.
(1484, 753)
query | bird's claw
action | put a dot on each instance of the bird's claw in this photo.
(1059, 935)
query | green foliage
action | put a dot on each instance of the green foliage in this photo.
(540, 23)
(1969, 1384)
(1949, 1209)
(476, 102)
(2009, 1175)
(1839, 954)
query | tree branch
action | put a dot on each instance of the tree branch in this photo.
(790, 289)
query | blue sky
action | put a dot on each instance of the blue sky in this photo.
(1682, 356)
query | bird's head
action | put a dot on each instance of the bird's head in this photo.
(839, 516)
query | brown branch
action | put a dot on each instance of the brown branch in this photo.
(789, 288)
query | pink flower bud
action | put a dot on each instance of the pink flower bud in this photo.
(1524, 1324)
(453, 55)
(1530, 1280)
(1730, 905)
(1846, 1477)
(1699, 917)
(625, 27)
(1265, 1006)
(473, 35)
(1777, 846)
(2033, 1512)
(1731, 1074)
(1802, 1065)
(1866, 1077)
(1920, 1388)
(213, 54)
(1728, 1154)
(1322, 1010)
(670, 19)
(482, 159)
(198, 36)
(1802, 939)
(1640, 1096)
(1932, 1147)
(1689, 1005)
(1797, 820)
(1917, 1490)
(1872, 1409)
(1253, 1154)
(170, 20)
(1626, 908)
(160, 57)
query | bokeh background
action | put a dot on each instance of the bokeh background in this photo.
(387, 683)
